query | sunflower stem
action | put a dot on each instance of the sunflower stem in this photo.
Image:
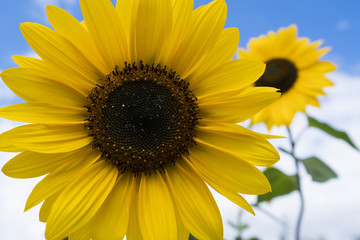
(302, 202)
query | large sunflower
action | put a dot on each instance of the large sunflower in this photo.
(293, 66)
(132, 111)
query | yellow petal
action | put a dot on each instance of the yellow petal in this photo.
(31, 164)
(209, 23)
(312, 79)
(311, 85)
(246, 145)
(33, 85)
(182, 24)
(106, 30)
(133, 231)
(233, 128)
(43, 113)
(153, 26)
(77, 163)
(182, 232)
(156, 212)
(80, 200)
(27, 62)
(6, 147)
(83, 233)
(284, 43)
(232, 196)
(196, 206)
(280, 112)
(47, 72)
(309, 54)
(261, 48)
(233, 75)
(80, 235)
(111, 221)
(320, 67)
(243, 54)
(42, 139)
(239, 106)
(46, 207)
(127, 11)
(223, 51)
(73, 30)
(227, 170)
(58, 51)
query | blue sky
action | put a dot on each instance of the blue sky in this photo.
(332, 209)
(337, 22)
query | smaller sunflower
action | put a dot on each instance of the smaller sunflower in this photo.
(292, 66)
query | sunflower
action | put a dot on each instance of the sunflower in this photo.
(132, 113)
(292, 66)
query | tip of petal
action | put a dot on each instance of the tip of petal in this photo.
(332, 67)
(50, 9)
(27, 208)
(6, 147)
(6, 169)
(293, 27)
(325, 50)
(29, 205)
(250, 210)
(27, 28)
(24, 27)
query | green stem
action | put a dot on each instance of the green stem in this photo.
(302, 202)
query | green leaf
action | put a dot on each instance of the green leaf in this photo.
(318, 170)
(295, 180)
(331, 131)
(281, 184)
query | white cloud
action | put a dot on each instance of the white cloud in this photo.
(14, 223)
(343, 25)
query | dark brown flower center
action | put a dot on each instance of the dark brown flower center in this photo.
(279, 73)
(142, 118)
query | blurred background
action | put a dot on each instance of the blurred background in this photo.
(332, 209)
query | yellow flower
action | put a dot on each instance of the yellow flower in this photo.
(132, 111)
(293, 66)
